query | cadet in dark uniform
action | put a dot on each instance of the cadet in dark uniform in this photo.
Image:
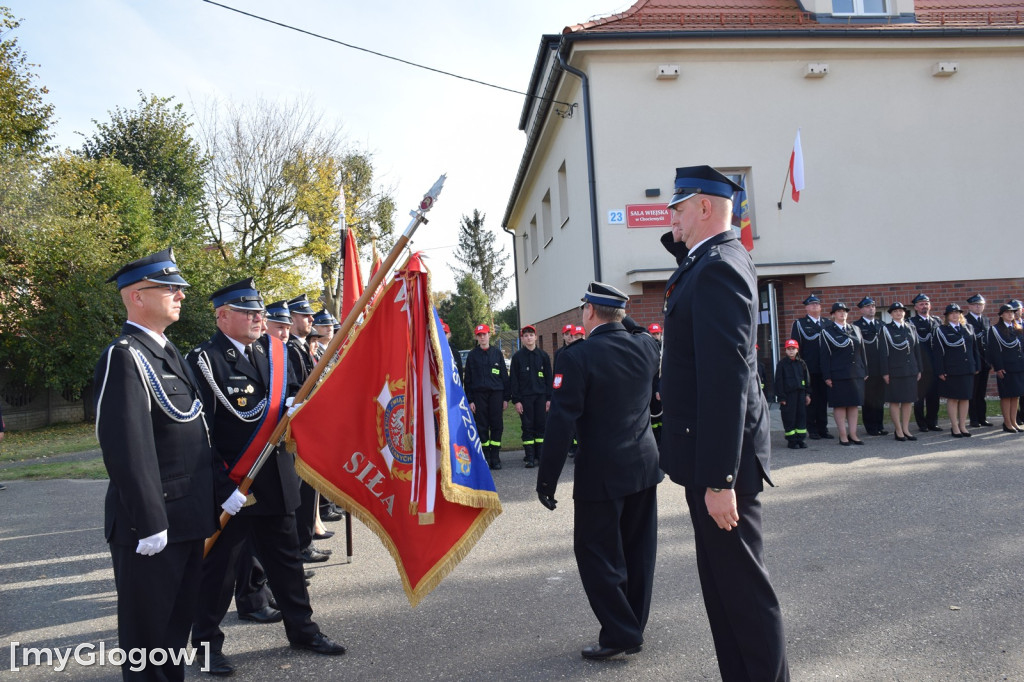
(844, 366)
(791, 380)
(956, 357)
(900, 364)
(301, 360)
(567, 340)
(976, 318)
(807, 332)
(926, 408)
(603, 387)
(160, 500)
(715, 440)
(1006, 353)
(245, 387)
(874, 387)
(530, 376)
(488, 391)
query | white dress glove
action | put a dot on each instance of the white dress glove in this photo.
(233, 503)
(153, 544)
(292, 406)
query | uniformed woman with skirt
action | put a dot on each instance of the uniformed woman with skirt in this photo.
(844, 366)
(900, 352)
(956, 360)
(1006, 355)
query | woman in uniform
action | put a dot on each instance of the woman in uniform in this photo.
(900, 353)
(844, 367)
(956, 360)
(1006, 355)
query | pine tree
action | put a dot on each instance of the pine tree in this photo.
(480, 260)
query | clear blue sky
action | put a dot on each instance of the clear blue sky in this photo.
(95, 55)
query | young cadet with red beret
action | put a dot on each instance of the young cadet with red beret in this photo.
(488, 391)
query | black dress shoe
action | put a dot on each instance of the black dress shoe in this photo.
(899, 437)
(974, 425)
(312, 556)
(331, 516)
(857, 442)
(308, 574)
(1009, 430)
(326, 535)
(844, 442)
(936, 428)
(986, 423)
(219, 664)
(955, 434)
(271, 602)
(883, 432)
(909, 437)
(827, 436)
(264, 615)
(599, 653)
(320, 644)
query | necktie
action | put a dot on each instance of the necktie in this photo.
(248, 353)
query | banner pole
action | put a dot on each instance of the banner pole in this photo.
(418, 218)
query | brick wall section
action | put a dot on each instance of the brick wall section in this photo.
(791, 292)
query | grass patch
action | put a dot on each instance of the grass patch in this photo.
(512, 437)
(89, 468)
(58, 439)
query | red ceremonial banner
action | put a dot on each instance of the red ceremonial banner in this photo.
(371, 437)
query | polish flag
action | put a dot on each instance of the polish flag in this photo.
(796, 168)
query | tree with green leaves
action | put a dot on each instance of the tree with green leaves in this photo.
(155, 142)
(465, 309)
(87, 218)
(480, 259)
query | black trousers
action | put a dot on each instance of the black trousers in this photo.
(979, 406)
(874, 404)
(277, 545)
(616, 544)
(926, 407)
(794, 415)
(534, 418)
(488, 416)
(744, 613)
(817, 411)
(156, 597)
(304, 514)
(251, 591)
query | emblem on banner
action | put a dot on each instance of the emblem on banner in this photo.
(393, 436)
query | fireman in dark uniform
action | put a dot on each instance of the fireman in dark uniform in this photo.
(807, 332)
(602, 389)
(488, 391)
(567, 340)
(976, 318)
(302, 361)
(160, 499)
(926, 408)
(530, 378)
(243, 389)
(654, 329)
(874, 387)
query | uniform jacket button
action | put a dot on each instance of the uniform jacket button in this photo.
(728, 479)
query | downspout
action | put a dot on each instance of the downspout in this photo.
(592, 184)
(515, 267)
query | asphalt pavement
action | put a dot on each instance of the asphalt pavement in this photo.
(893, 561)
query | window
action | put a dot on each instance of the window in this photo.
(859, 7)
(534, 249)
(563, 195)
(526, 252)
(545, 218)
(742, 178)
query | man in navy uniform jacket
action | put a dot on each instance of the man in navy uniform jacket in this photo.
(715, 438)
(602, 389)
(160, 500)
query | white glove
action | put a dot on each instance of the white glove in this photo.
(153, 544)
(233, 503)
(292, 407)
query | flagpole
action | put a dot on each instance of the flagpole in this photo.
(418, 218)
(784, 183)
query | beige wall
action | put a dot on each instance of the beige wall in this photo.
(909, 176)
